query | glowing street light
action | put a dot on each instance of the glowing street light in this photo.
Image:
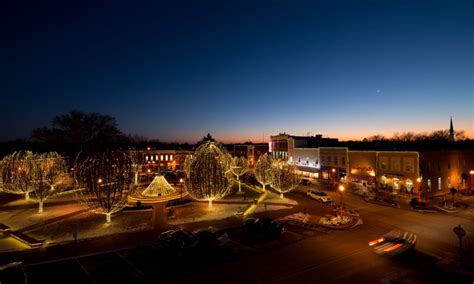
(341, 191)
(418, 180)
(181, 184)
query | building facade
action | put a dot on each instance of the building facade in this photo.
(362, 167)
(250, 151)
(398, 171)
(443, 170)
(171, 160)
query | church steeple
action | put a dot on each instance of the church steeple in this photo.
(452, 137)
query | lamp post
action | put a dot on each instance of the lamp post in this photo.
(418, 180)
(334, 177)
(148, 174)
(341, 191)
(181, 184)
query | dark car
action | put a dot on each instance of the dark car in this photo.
(305, 182)
(265, 226)
(414, 203)
(209, 237)
(175, 239)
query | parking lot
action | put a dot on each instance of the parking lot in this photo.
(145, 263)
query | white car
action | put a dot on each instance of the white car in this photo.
(318, 195)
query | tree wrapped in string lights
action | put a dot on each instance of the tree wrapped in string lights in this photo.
(285, 178)
(17, 173)
(264, 170)
(239, 166)
(207, 173)
(49, 177)
(105, 181)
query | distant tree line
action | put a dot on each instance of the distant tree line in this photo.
(77, 131)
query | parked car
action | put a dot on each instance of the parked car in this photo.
(318, 195)
(265, 226)
(175, 239)
(305, 182)
(415, 204)
(209, 237)
(394, 243)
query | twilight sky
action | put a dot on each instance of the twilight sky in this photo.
(240, 69)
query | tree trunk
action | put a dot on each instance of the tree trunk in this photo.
(210, 203)
(40, 207)
(239, 186)
(136, 178)
(263, 187)
(108, 217)
(27, 196)
(281, 195)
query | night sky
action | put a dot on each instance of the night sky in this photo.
(240, 69)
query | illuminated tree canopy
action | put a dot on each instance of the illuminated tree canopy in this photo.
(17, 173)
(207, 173)
(264, 170)
(285, 178)
(239, 166)
(49, 177)
(106, 180)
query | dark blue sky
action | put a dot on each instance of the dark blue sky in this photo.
(238, 69)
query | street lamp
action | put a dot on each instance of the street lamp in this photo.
(148, 174)
(181, 184)
(418, 180)
(341, 191)
(334, 177)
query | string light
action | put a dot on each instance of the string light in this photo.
(117, 169)
(285, 178)
(207, 171)
(239, 166)
(264, 170)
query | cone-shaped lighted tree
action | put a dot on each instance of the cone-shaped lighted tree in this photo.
(207, 173)
(264, 170)
(239, 166)
(285, 178)
(106, 180)
(17, 173)
(49, 177)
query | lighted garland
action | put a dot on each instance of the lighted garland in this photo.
(239, 166)
(16, 173)
(264, 170)
(285, 178)
(106, 180)
(207, 173)
(50, 177)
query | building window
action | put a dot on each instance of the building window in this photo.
(449, 182)
(156, 157)
(329, 160)
(439, 183)
(161, 157)
(166, 157)
(428, 183)
(343, 161)
(146, 158)
(335, 160)
(171, 157)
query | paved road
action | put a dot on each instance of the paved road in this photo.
(333, 258)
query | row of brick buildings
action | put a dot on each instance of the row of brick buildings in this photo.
(407, 171)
